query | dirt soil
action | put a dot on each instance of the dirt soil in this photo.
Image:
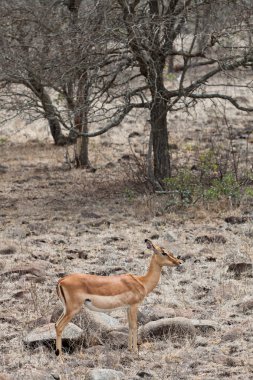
(54, 221)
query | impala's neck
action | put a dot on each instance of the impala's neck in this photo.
(152, 277)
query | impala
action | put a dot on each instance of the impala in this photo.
(105, 293)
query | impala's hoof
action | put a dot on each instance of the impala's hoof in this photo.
(57, 352)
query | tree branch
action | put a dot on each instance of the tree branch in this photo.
(113, 123)
(223, 97)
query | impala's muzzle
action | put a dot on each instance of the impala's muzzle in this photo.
(149, 244)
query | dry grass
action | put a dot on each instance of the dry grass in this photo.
(51, 216)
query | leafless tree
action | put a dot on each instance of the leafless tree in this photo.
(98, 60)
(60, 60)
(212, 37)
(159, 29)
(26, 52)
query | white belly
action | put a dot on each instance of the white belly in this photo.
(107, 303)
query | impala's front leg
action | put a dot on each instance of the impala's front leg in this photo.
(132, 320)
(130, 332)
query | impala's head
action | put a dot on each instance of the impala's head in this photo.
(164, 258)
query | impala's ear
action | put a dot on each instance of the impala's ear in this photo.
(149, 244)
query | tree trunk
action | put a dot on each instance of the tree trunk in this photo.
(82, 144)
(54, 124)
(49, 111)
(81, 123)
(160, 139)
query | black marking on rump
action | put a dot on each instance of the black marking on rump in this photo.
(61, 292)
(61, 296)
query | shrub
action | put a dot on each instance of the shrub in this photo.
(187, 187)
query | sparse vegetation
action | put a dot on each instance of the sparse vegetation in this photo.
(56, 220)
(186, 189)
(3, 140)
(98, 226)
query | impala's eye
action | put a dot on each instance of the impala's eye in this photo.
(164, 253)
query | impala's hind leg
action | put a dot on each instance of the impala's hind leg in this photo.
(60, 326)
(70, 309)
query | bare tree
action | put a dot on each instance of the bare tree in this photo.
(99, 60)
(25, 61)
(60, 61)
(157, 30)
(214, 37)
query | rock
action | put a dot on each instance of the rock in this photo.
(46, 335)
(240, 269)
(219, 239)
(174, 328)
(104, 321)
(104, 374)
(237, 219)
(153, 313)
(204, 327)
(32, 374)
(96, 326)
(146, 375)
(34, 269)
(8, 251)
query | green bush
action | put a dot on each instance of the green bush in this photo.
(187, 188)
(183, 186)
(227, 187)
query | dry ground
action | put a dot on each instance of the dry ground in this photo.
(59, 221)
